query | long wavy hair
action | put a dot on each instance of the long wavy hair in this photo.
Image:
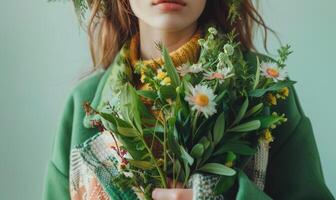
(112, 22)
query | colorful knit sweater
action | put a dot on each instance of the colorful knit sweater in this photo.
(81, 166)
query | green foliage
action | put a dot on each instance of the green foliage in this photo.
(219, 127)
(171, 70)
(247, 126)
(236, 147)
(189, 140)
(275, 87)
(216, 168)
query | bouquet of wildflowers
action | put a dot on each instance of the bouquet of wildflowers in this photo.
(206, 117)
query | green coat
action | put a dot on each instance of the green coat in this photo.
(294, 169)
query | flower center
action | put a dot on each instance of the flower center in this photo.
(201, 100)
(218, 75)
(272, 72)
(161, 75)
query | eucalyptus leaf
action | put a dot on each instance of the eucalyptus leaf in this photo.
(170, 68)
(216, 168)
(150, 94)
(224, 184)
(254, 109)
(128, 132)
(186, 171)
(257, 76)
(219, 127)
(238, 148)
(186, 156)
(177, 168)
(268, 121)
(108, 125)
(275, 87)
(208, 152)
(219, 97)
(172, 138)
(130, 109)
(166, 92)
(241, 112)
(145, 165)
(205, 142)
(197, 151)
(247, 126)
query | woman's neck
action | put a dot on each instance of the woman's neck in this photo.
(172, 40)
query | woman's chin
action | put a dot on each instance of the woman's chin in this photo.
(169, 24)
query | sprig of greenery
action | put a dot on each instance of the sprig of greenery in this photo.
(284, 52)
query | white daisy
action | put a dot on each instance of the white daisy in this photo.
(271, 70)
(220, 74)
(201, 98)
(187, 68)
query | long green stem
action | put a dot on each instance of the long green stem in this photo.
(194, 125)
(164, 147)
(163, 179)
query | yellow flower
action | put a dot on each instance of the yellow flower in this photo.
(271, 99)
(267, 136)
(161, 75)
(143, 76)
(166, 81)
(229, 164)
(284, 91)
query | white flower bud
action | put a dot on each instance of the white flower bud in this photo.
(201, 41)
(212, 30)
(228, 49)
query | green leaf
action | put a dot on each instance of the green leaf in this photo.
(253, 110)
(219, 127)
(130, 109)
(108, 121)
(257, 76)
(108, 117)
(170, 68)
(275, 87)
(216, 168)
(247, 126)
(197, 151)
(237, 148)
(150, 94)
(205, 142)
(186, 171)
(145, 165)
(268, 121)
(176, 168)
(128, 132)
(207, 152)
(220, 96)
(185, 155)
(241, 112)
(224, 184)
(166, 92)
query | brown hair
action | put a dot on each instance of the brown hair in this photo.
(112, 22)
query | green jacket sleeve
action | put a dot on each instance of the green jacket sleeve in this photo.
(70, 132)
(294, 169)
(56, 183)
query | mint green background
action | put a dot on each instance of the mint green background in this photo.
(43, 53)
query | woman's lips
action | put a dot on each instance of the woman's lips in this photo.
(169, 5)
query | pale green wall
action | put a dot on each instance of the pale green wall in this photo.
(43, 53)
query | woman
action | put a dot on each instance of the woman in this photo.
(129, 29)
